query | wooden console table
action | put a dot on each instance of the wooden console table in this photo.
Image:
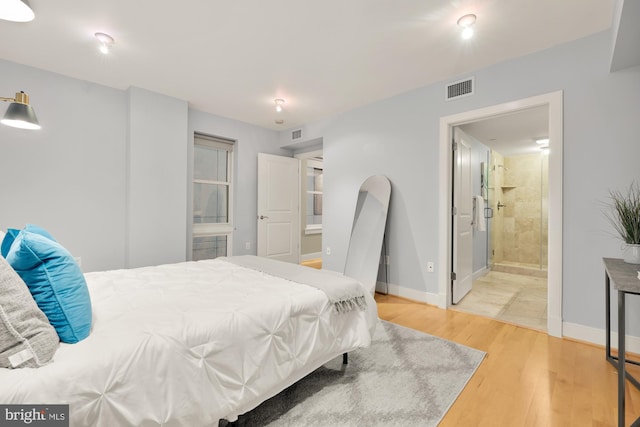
(624, 277)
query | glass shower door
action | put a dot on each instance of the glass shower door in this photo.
(490, 195)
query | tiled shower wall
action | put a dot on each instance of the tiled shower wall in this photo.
(519, 231)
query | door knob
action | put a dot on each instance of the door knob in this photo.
(263, 217)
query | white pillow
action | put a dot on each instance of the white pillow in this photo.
(1, 235)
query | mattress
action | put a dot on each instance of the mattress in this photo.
(188, 344)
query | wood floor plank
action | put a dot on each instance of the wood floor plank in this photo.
(527, 378)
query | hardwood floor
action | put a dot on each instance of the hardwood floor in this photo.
(314, 263)
(527, 378)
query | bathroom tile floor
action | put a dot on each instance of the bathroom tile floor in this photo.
(513, 298)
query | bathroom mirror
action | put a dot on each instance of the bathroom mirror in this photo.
(367, 233)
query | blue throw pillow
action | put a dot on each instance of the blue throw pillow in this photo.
(56, 283)
(12, 233)
(8, 239)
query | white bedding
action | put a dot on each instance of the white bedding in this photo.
(188, 344)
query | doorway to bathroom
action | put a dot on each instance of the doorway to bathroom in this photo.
(510, 239)
(522, 238)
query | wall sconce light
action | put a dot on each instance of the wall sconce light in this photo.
(106, 41)
(466, 22)
(16, 11)
(279, 102)
(542, 141)
(20, 114)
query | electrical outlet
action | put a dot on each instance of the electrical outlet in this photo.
(328, 250)
(430, 267)
(247, 245)
(386, 259)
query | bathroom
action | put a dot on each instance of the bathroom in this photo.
(510, 171)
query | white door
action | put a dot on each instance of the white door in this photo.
(462, 234)
(278, 212)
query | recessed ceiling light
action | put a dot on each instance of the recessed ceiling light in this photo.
(466, 22)
(16, 11)
(106, 41)
(279, 102)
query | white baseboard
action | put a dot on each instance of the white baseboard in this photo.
(410, 293)
(435, 299)
(554, 326)
(307, 257)
(598, 336)
(478, 274)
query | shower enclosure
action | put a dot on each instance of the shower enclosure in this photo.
(517, 193)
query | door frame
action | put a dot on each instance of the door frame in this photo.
(554, 101)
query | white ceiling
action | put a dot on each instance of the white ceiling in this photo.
(233, 58)
(512, 134)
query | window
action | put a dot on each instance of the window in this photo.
(314, 197)
(209, 247)
(211, 234)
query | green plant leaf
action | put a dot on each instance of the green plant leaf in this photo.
(624, 213)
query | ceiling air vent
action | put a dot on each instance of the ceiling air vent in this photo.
(296, 134)
(459, 89)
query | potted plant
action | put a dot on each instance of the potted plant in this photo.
(624, 215)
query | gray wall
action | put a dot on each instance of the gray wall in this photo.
(157, 172)
(109, 172)
(399, 137)
(68, 177)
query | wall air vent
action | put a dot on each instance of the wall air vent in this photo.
(296, 134)
(459, 89)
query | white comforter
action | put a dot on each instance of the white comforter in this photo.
(188, 344)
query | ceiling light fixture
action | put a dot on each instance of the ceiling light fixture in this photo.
(106, 41)
(16, 11)
(466, 22)
(20, 114)
(279, 102)
(542, 141)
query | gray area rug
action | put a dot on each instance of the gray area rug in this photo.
(405, 378)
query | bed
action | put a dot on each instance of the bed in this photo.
(191, 343)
